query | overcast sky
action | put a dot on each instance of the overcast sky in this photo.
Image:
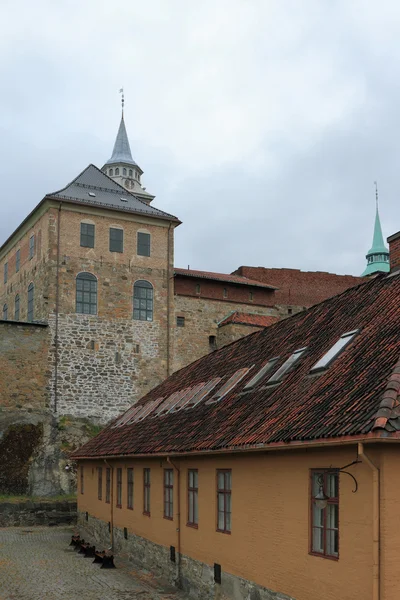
(261, 124)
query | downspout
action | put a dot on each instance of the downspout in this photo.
(178, 514)
(168, 301)
(376, 522)
(57, 310)
(111, 504)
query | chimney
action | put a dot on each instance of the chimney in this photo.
(394, 251)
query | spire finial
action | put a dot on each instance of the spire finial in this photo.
(121, 91)
(376, 193)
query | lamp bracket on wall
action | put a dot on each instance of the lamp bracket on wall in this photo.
(343, 470)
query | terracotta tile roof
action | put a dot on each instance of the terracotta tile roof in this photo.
(344, 401)
(240, 318)
(223, 277)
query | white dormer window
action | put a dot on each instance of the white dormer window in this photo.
(333, 352)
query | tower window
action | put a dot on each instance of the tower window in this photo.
(180, 321)
(124, 172)
(143, 244)
(87, 235)
(143, 301)
(17, 260)
(31, 246)
(5, 312)
(16, 308)
(198, 289)
(111, 172)
(31, 291)
(130, 172)
(225, 293)
(5, 272)
(86, 294)
(250, 295)
(116, 240)
(117, 171)
(212, 340)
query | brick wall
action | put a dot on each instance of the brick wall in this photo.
(24, 366)
(300, 288)
(220, 290)
(394, 251)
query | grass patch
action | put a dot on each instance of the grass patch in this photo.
(93, 430)
(17, 499)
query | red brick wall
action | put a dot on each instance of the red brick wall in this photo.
(301, 288)
(394, 251)
(186, 286)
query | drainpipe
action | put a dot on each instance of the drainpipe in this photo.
(57, 310)
(376, 522)
(168, 301)
(111, 504)
(178, 514)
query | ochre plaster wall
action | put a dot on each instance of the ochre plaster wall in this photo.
(269, 543)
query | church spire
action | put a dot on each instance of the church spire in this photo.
(378, 255)
(121, 167)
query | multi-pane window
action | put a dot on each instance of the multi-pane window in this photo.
(143, 301)
(168, 493)
(143, 244)
(111, 172)
(82, 480)
(17, 260)
(180, 321)
(100, 483)
(116, 240)
(146, 491)
(325, 521)
(129, 487)
(124, 172)
(31, 292)
(108, 485)
(117, 171)
(224, 500)
(130, 173)
(86, 294)
(31, 246)
(193, 499)
(87, 235)
(5, 272)
(16, 308)
(119, 488)
(5, 312)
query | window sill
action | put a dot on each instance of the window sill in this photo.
(168, 518)
(146, 514)
(118, 505)
(129, 507)
(335, 558)
(108, 502)
(192, 525)
(224, 531)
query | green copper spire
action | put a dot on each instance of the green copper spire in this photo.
(378, 255)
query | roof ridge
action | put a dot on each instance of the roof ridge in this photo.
(389, 402)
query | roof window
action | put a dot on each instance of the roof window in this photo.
(287, 365)
(228, 386)
(124, 199)
(92, 194)
(261, 374)
(332, 353)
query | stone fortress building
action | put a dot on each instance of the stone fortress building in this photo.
(94, 315)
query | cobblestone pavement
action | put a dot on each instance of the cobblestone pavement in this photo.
(37, 563)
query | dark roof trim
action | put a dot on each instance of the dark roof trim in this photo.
(224, 278)
(24, 323)
(394, 236)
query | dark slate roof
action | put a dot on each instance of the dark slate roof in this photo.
(238, 279)
(122, 151)
(344, 402)
(107, 194)
(240, 318)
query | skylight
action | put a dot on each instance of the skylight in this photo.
(288, 364)
(92, 194)
(261, 374)
(124, 199)
(332, 353)
(228, 386)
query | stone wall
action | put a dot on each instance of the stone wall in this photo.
(234, 331)
(24, 365)
(194, 577)
(202, 316)
(31, 513)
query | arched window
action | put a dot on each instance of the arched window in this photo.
(86, 294)
(117, 171)
(31, 291)
(124, 172)
(16, 308)
(5, 312)
(143, 301)
(110, 172)
(130, 172)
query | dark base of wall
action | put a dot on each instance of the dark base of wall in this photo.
(37, 513)
(194, 577)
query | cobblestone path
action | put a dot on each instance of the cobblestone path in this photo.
(38, 564)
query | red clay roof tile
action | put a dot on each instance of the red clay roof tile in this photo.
(223, 277)
(241, 318)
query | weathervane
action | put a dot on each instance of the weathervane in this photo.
(376, 193)
(121, 91)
